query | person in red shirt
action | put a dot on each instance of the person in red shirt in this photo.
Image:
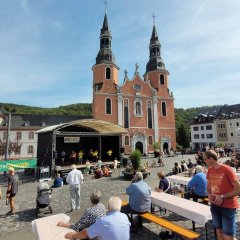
(223, 188)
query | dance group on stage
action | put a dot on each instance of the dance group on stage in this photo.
(80, 157)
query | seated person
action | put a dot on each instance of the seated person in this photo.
(184, 166)
(139, 197)
(98, 173)
(190, 164)
(164, 184)
(199, 158)
(91, 215)
(197, 186)
(114, 226)
(106, 171)
(176, 169)
(146, 166)
(58, 182)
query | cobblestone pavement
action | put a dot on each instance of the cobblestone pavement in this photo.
(18, 226)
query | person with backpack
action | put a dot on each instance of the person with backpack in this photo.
(12, 189)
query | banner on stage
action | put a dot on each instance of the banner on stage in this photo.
(71, 139)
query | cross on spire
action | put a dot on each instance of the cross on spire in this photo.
(106, 4)
(154, 17)
(137, 67)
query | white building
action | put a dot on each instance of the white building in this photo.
(22, 131)
(216, 126)
(203, 129)
(228, 125)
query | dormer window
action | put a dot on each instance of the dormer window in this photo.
(26, 124)
(43, 124)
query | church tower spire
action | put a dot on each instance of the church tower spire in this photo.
(105, 54)
(105, 77)
(155, 61)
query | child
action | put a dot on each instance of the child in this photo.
(115, 163)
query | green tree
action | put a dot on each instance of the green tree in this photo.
(182, 136)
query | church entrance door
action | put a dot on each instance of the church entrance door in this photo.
(165, 147)
(139, 146)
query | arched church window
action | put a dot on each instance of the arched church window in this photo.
(149, 117)
(126, 114)
(164, 109)
(126, 117)
(126, 141)
(108, 73)
(108, 106)
(138, 108)
(162, 80)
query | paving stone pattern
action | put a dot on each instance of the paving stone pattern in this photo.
(116, 185)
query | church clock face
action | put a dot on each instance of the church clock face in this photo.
(137, 87)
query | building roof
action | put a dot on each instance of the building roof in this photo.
(206, 115)
(100, 126)
(39, 121)
(229, 112)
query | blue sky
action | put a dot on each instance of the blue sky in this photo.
(48, 47)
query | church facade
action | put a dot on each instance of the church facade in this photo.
(144, 106)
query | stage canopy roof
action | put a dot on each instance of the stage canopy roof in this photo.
(100, 126)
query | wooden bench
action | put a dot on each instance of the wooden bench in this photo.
(189, 234)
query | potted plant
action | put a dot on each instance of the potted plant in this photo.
(135, 166)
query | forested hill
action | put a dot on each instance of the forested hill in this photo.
(83, 109)
(182, 116)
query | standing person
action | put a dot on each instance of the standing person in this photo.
(12, 189)
(88, 167)
(114, 226)
(223, 188)
(73, 157)
(109, 153)
(139, 197)
(75, 179)
(80, 156)
(115, 164)
(90, 155)
(63, 156)
(99, 164)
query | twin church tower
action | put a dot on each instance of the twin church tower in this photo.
(145, 107)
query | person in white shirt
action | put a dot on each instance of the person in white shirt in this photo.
(75, 179)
